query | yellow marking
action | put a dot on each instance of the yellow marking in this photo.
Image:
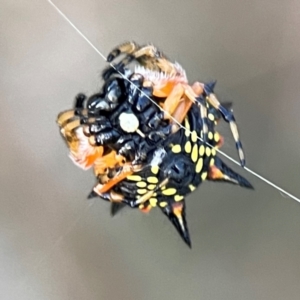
(192, 187)
(199, 165)
(152, 179)
(169, 192)
(241, 154)
(178, 198)
(163, 188)
(154, 194)
(204, 175)
(234, 131)
(188, 147)
(201, 150)
(141, 184)
(141, 191)
(208, 151)
(217, 136)
(211, 117)
(176, 149)
(187, 126)
(194, 155)
(213, 152)
(153, 202)
(154, 169)
(151, 186)
(134, 177)
(194, 136)
(210, 135)
(212, 162)
(163, 204)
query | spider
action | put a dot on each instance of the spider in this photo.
(170, 82)
(92, 131)
(173, 170)
(172, 166)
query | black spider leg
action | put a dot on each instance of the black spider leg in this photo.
(176, 214)
(227, 116)
(107, 137)
(120, 67)
(222, 173)
(79, 107)
(113, 92)
(79, 101)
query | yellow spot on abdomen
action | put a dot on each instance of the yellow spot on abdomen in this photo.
(178, 198)
(211, 116)
(188, 147)
(201, 150)
(217, 136)
(152, 179)
(151, 186)
(208, 151)
(204, 175)
(212, 162)
(163, 204)
(187, 126)
(134, 177)
(210, 135)
(141, 184)
(194, 155)
(176, 149)
(169, 192)
(153, 202)
(194, 136)
(142, 191)
(199, 165)
(154, 169)
(192, 187)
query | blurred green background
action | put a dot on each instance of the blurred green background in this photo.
(57, 245)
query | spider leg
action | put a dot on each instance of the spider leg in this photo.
(128, 47)
(228, 117)
(172, 101)
(125, 171)
(194, 93)
(108, 161)
(147, 56)
(82, 153)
